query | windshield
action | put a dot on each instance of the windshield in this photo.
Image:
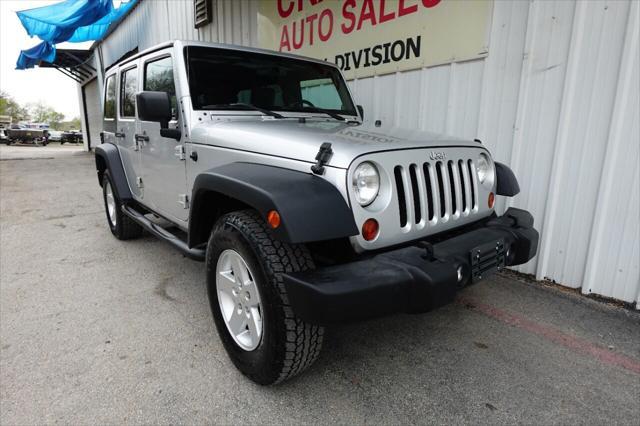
(220, 78)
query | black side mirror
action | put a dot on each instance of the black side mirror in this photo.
(156, 106)
(361, 111)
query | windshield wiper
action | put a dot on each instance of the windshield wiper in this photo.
(273, 114)
(245, 106)
(324, 111)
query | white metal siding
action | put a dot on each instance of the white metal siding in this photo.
(94, 111)
(557, 98)
(155, 21)
(614, 249)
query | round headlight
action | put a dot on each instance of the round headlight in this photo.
(366, 183)
(485, 170)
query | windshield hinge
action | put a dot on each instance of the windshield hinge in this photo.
(322, 158)
(179, 152)
(183, 200)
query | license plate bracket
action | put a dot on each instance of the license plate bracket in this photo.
(486, 259)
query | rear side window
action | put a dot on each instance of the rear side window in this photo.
(158, 77)
(128, 89)
(110, 98)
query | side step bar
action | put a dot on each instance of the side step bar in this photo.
(139, 218)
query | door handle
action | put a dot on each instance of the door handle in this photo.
(141, 138)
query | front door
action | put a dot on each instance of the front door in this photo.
(163, 166)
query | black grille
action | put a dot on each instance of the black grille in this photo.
(416, 193)
(402, 201)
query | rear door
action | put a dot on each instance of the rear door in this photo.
(109, 121)
(125, 135)
(163, 165)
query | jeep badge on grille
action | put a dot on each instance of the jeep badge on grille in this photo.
(435, 155)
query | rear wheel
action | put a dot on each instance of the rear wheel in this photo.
(121, 225)
(249, 302)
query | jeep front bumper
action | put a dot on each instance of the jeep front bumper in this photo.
(411, 279)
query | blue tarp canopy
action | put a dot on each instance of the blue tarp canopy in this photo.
(99, 28)
(70, 20)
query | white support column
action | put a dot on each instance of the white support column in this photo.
(83, 119)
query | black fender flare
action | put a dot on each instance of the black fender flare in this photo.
(507, 181)
(109, 155)
(311, 209)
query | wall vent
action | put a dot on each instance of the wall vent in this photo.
(201, 12)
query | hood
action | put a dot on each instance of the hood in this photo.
(291, 138)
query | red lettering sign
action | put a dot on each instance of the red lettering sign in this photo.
(355, 15)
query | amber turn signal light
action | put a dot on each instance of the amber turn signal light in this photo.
(273, 219)
(370, 229)
(492, 200)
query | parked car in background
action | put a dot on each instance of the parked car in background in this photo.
(72, 136)
(27, 135)
(55, 136)
(3, 137)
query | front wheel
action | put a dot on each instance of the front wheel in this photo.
(249, 302)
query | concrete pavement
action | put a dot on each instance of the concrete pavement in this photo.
(95, 330)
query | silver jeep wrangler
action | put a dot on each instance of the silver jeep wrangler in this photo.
(260, 165)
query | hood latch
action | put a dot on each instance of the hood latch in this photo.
(322, 158)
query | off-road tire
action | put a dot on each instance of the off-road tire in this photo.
(124, 228)
(288, 345)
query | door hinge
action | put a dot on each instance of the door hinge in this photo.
(183, 200)
(139, 182)
(180, 152)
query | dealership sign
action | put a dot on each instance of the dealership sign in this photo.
(373, 37)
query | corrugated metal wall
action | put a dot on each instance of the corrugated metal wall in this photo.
(154, 21)
(557, 99)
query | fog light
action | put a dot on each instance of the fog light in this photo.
(370, 229)
(459, 272)
(273, 219)
(492, 200)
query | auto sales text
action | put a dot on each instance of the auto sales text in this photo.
(319, 24)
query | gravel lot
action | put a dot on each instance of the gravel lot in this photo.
(95, 330)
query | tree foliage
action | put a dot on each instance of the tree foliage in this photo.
(38, 112)
(8, 106)
(41, 113)
(74, 124)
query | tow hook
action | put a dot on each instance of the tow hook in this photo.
(428, 247)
